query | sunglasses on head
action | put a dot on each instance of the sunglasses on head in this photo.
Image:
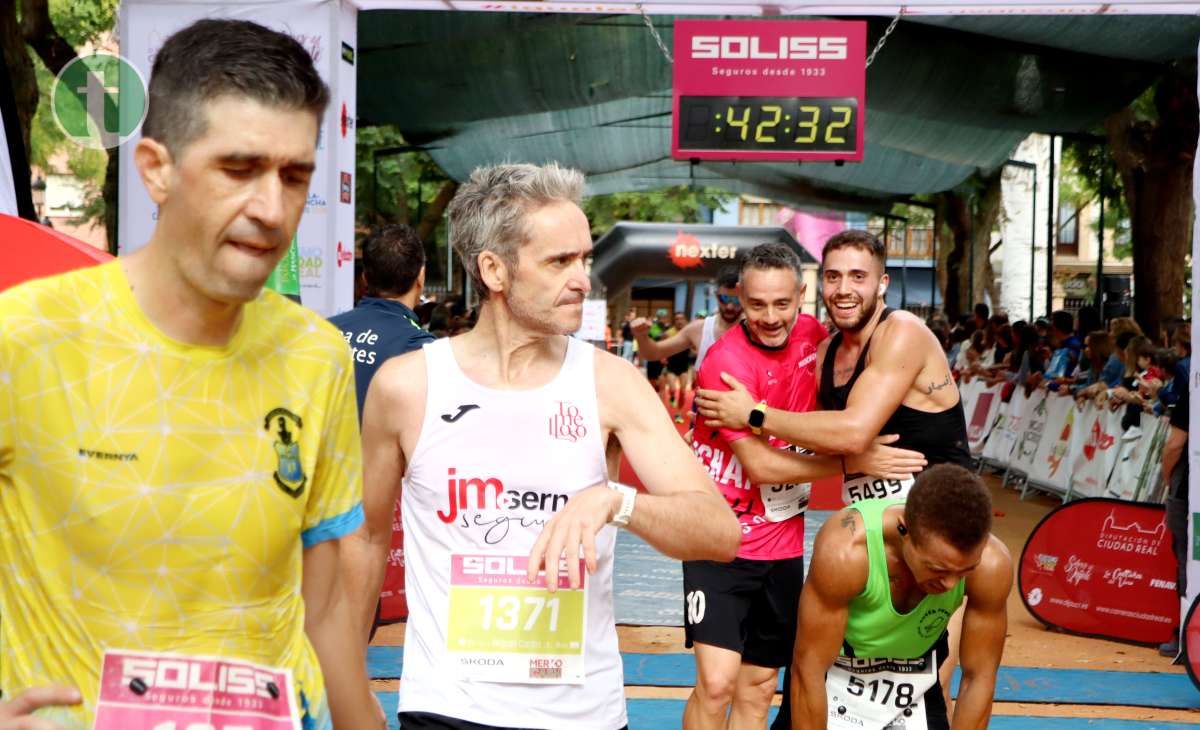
(727, 298)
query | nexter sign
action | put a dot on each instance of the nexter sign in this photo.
(696, 251)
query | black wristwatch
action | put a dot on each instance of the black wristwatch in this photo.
(757, 416)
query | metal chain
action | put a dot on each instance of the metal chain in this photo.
(654, 32)
(883, 39)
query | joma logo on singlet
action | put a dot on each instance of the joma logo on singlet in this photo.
(188, 675)
(490, 494)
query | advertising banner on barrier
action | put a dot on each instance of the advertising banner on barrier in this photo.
(1030, 437)
(1099, 429)
(982, 416)
(326, 28)
(1102, 567)
(1137, 460)
(1057, 433)
(998, 444)
(1009, 425)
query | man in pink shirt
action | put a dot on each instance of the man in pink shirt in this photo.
(740, 617)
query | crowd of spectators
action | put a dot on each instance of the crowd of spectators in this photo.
(1072, 355)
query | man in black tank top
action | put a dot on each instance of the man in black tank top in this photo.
(882, 373)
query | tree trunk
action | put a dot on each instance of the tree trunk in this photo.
(430, 218)
(1155, 162)
(987, 211)
(958, 220)
(968, 229)
(111, 194)
(43, 37)
(20, 69)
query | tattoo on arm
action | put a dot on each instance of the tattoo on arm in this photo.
(848, 523)
(939, 386)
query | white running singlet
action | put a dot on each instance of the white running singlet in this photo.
(490, 468)
(707, 337)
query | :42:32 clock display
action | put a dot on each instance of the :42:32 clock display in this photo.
(768, 123)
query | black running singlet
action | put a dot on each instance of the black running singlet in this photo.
(941, 437)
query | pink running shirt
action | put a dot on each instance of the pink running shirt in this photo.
(786, 378)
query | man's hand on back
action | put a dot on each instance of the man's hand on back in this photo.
(886, 462)
(726, 408)
(17, 714)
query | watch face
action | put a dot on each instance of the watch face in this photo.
(756, 418)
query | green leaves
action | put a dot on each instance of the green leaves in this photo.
(678, 204)
(392, 187)
(1084, 165)
(82, 21)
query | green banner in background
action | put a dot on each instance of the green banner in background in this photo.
(1196, 536)
(285, 279)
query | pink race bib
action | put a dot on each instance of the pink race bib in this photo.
(149, 691)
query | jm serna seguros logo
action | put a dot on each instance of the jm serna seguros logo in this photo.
(99, 101)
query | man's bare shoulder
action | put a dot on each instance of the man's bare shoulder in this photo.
(694, 331)
(822, 348)
(992, 580)
(621, 390)
(840, 563)
(614, 374)
(402, 378)
(905, 326)
(901, 335)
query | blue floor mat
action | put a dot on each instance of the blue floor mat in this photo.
(1014, 684)
(648, 587)
(1094, 687)
(645, 714)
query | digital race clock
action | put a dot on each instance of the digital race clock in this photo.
(768, 123)
(769, 90)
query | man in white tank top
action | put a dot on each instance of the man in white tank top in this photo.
(698, 335)
(498, 436)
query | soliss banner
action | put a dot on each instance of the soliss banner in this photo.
(1102, 567)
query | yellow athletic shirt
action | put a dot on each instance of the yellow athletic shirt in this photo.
(157, 496)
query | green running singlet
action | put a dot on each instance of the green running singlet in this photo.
(875, 629)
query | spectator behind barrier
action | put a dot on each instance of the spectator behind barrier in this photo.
(1175, 477)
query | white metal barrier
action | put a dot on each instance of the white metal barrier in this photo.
(1055, 445)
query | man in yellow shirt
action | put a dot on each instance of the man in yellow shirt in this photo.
(179, 449)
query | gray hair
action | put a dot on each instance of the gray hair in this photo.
(774, 255)
(489, 211)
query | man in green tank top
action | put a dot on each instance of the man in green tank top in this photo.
(885, 578)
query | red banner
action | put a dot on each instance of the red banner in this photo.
(1102, 567)
(393, 605)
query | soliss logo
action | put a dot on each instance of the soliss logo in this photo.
(829, 48)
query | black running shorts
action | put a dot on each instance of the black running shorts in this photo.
(747, 606)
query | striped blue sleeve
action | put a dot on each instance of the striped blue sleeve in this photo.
(333, 528)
